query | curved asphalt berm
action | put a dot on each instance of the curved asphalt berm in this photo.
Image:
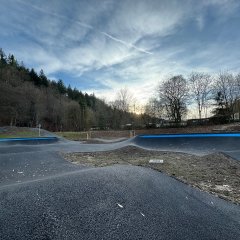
(42, 196)
(32, 141)
(197, 143)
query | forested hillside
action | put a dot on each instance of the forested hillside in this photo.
(28, 98)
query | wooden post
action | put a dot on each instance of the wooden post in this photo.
(39, 130)
(132, 133)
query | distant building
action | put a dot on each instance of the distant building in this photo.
(171, 123)
(196, 122)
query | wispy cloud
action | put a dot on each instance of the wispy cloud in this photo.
(103, 47)
(200, 21)
(82, 24)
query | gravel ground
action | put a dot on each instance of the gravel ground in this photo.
(214, 173)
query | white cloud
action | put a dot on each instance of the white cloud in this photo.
(200, 22)
(112, 43)
(120, 41)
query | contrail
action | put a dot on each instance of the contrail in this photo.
(82, 24)
(129, 45)
(56, 15)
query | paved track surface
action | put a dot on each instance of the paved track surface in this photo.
(199, 144)
(42, 196)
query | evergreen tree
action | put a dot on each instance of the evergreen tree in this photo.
(61, 87)
(35, 78)
(12, 61)
(24, 102)
(70, 92)
(44, 80)
(3, 60)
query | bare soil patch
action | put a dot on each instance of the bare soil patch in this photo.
(215, 173)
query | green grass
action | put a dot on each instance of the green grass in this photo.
(74, 136)
(19, 134)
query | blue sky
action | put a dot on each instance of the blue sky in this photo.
(103, 45)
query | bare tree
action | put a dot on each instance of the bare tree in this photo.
(123, 100)
(153, 112)
(227, 87)
(173, 94)
(237, 80)
(154, 108)
(201, 88)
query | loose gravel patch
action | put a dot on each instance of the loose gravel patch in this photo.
(214, 173)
